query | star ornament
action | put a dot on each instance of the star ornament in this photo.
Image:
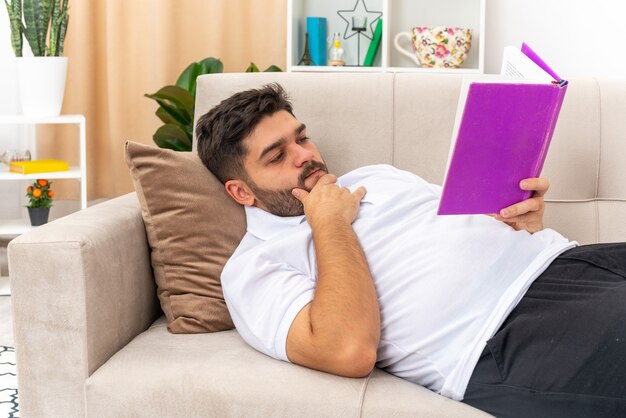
(359, 10)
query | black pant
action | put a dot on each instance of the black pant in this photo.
(562, 351)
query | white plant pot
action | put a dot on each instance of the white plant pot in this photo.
(41, 82)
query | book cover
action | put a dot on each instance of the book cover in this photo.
(502, 134)
(37, 166)
(374, 45)
(316, 27)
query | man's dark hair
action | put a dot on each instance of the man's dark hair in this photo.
(220, 131)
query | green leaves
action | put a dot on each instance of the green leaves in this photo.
(15, 20)
(176, 103)
(252, 68)
(172, 137)
(32, 13)
(62, 32)
(212, 65)
(164, 116)
(176, 111)
(273, 69)
(39, 18)
(58, 27)
(187, 80)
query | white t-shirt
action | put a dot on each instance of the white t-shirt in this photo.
(445, 284)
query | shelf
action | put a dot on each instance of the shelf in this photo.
(28, 120)
(72, 173)
(338, 69)
(434, 70)
(14, 227)
(398, 16)
(351, 69)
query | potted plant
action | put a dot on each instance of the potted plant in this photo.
(177, 103)
(41, 78)
(40, 197)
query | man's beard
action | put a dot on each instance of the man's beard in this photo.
(282, 202)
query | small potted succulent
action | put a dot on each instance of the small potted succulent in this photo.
(40, 197)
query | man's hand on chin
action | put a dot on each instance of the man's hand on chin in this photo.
(528, 214)
(327, 202)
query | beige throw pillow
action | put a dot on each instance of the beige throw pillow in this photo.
(193, 227)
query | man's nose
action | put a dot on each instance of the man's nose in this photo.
(302, 156)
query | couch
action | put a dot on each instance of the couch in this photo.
(89, 333)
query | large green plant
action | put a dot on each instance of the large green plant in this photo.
(39, 21)
(177, 103)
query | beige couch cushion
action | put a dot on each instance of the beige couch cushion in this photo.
(219, 375)
(193, 227)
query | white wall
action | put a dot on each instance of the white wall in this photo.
(9, 206)
(8, 104)
(577, 38)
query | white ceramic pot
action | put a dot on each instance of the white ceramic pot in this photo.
(41, 83)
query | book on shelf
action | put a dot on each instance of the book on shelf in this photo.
(374, 45)
(37, 166)
(502, 132)
(316, 28)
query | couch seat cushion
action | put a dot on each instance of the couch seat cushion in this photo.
(159, 374)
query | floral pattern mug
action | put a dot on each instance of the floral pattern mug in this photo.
(436, 47)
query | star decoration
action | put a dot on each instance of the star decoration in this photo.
(360, 10)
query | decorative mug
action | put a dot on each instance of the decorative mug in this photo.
(436, 47)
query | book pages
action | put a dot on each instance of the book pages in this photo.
(515, 64)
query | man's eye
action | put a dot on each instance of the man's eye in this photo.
(302, 139)
(277, 158)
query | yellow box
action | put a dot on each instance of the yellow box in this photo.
(38, 166)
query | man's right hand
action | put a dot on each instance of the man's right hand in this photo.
(328, 202)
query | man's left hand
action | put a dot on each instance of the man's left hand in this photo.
(527, 215)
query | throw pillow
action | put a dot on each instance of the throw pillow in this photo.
(193, 227)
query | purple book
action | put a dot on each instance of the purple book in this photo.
(504, 129)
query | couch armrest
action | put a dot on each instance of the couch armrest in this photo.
(82, 288)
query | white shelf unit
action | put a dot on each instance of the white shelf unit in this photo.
(14, 227)
(398, 16)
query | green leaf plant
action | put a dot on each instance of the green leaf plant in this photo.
(177, 103)
(38, 21)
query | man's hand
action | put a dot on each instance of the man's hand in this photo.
(527, 215)
(328, 202)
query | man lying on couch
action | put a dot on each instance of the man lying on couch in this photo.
(343, 274)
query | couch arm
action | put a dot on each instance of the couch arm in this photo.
(82, 288)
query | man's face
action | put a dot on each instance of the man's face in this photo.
(280, 158)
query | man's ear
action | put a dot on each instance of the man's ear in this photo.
(240, 192)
